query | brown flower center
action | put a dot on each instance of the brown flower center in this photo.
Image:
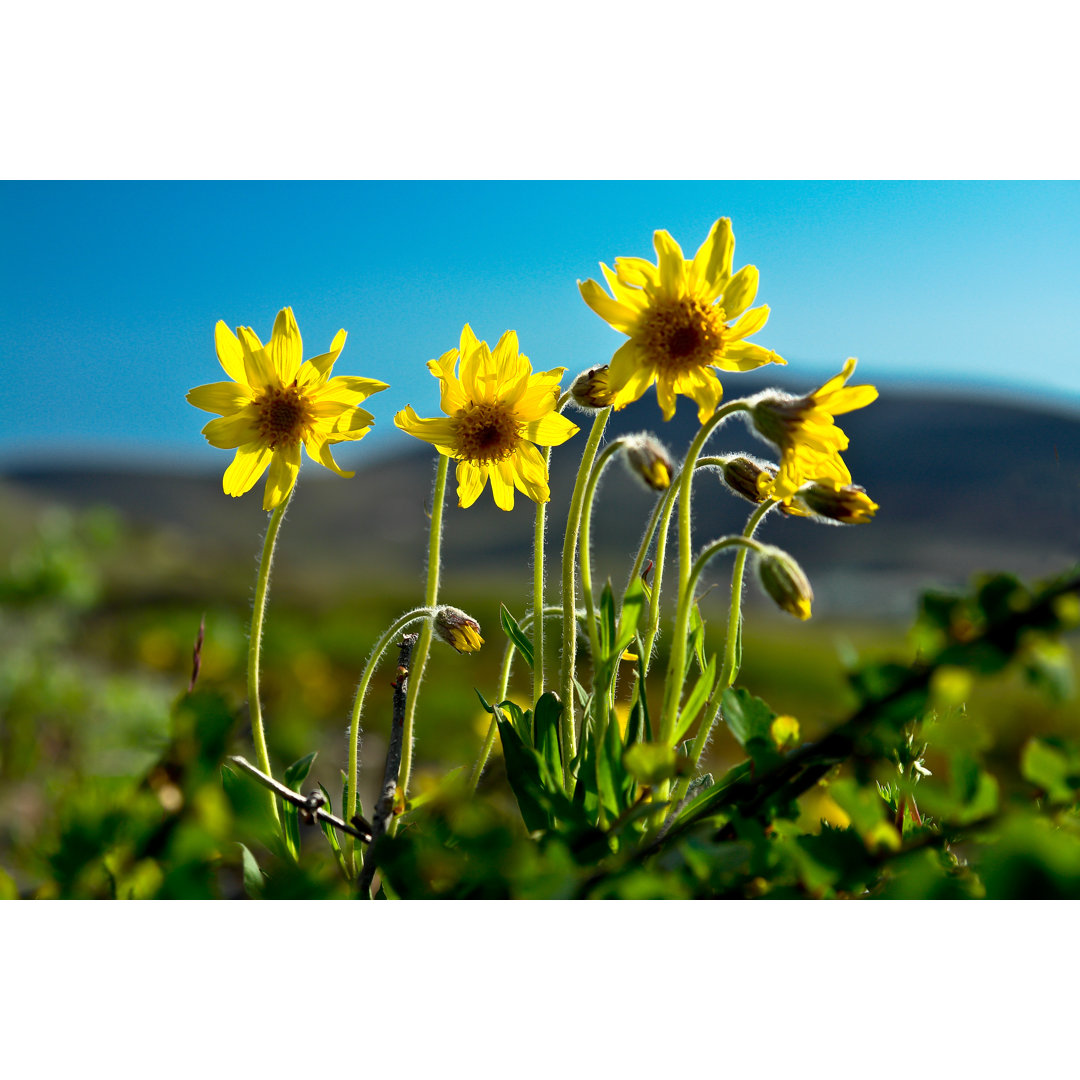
(680, 335)
(284, 416)
(487, 433)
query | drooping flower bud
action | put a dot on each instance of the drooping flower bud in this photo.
(846, 505)
(457, 629)
(591, 389)
(647, 458)
(742, 474)
(783, 579)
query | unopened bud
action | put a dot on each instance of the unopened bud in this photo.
(783, 579)
(591, 389)
(743, 475)
(847, 505)
(647, 458)
(457, 629)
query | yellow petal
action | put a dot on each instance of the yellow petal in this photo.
(502, 485)
(740, 292)
(470, 482)
(260, 371)
(229, 353)
(286, 349)
(851, 397)
(540, 396)
(351, 425)
(451, 395)
(619, 316)
(513, 369)
(530, 473)
(551, 430)
(749, 324)
(318, 450)
(636, 272)
(440, 431)
(670, 263)
(745, 356)
(665, 395)
(234, 430)
(711, 267)
(479, 379)
(246, 468)
(318, 367)
(703, 387)
(348, 388)
(220, 397)
(284, 466)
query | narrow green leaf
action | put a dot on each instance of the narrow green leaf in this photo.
(290, 824)
(328, 830)
(523, 773)
(546, 734)
(650, 763)
(607, 625)
(297, 772)
(633, 608)
(516, 634)
(253, 876)
(698, 696)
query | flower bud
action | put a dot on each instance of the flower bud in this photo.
(590, 390)
(846, 504)
(647, 458)
(457, 629)
(742, 474)
(783, 579)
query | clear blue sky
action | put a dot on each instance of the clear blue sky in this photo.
(111, 290)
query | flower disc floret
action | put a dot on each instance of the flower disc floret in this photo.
(498, 411)
(684, 318)
(277, 402)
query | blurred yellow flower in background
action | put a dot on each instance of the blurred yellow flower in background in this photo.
(496, 410)
(684, 317)
(275, 402)
(803, 429)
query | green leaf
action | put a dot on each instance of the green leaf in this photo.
(629, 617)
(290, 826)
(696, 639)
(254, 878)
(297, 772)
(328, 830)
(546, 734)
(516, 634)
(607, 626)
(1054, 770)
(749, 720)
(523, 771)
(651, 763)
(698, 696)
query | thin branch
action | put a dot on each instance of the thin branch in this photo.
(384, 808)
(310, 806)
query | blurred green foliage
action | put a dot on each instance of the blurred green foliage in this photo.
(949, 767)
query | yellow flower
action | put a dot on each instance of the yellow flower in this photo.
(683, 317)
(803, 429)
(495, 411)
(276, 401)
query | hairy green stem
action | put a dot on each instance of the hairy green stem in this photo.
(677, 658)
(569, 592)
(584, 554)
(258, 614)
(538, 589)
(431, 598)
(358, 704)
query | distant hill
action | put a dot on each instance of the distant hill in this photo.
(963, 486)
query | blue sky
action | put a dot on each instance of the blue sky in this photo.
(111, 290)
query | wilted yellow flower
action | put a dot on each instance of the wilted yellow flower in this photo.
(277, 401)
(803, 429)
(684, 317)
(495, 411)
(458, 630)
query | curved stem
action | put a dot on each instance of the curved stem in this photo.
(569, 592)
(258, 613)
(431, 597)
(677, 659)
(358, 704)
(538, 590)
(584, 555)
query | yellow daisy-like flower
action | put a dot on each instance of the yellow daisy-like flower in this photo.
(803, 429)
(496, 410)
(684, 317)
(275, 402)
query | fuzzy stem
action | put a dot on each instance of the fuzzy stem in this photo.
(258, 614)
(431, 598)
(677, 659)
(584, 555)
(358, 704)
(538, 590)
(569, 592)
